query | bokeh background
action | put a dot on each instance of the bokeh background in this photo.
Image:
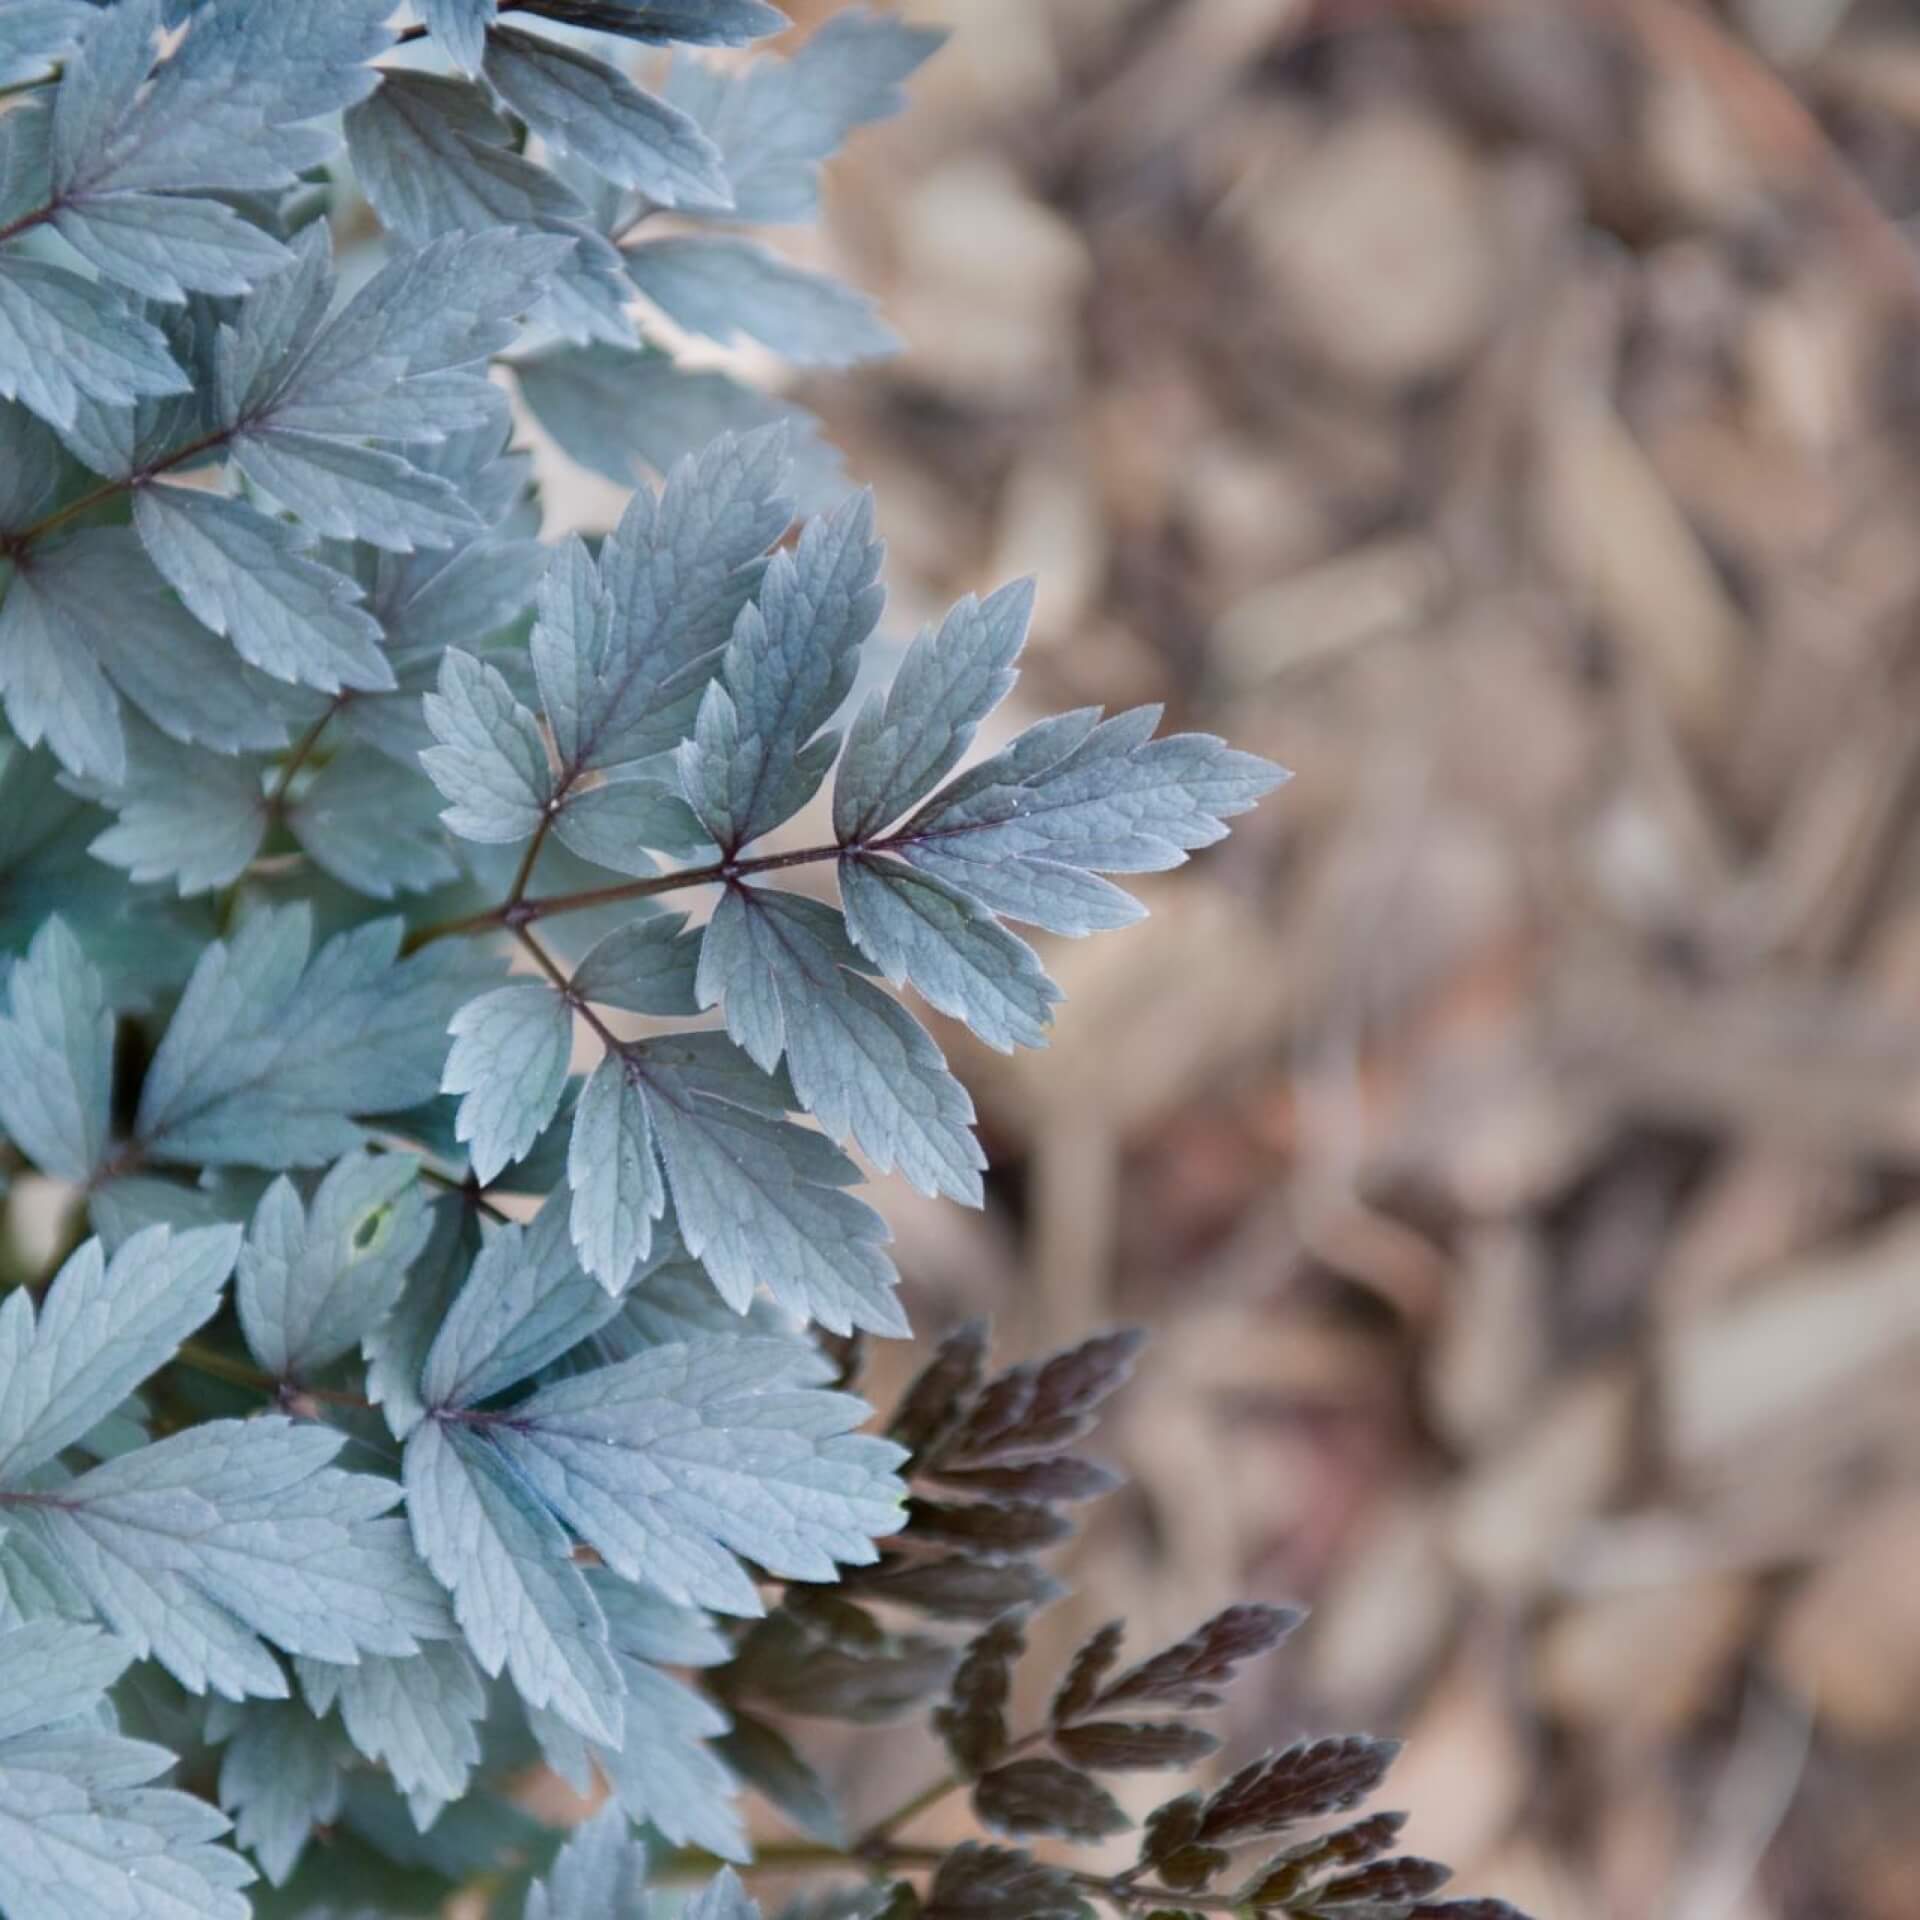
(1507, 414)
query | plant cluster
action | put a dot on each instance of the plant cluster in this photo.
(407, 1410)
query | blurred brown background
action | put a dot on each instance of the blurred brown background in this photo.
(1507, 415)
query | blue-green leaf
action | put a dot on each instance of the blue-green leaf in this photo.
(56, 1057)
(103, 1327)
(490, 761)
(81, 1834)
(509, 1064)
(727, 289)
(905, 741)
(315, 1280)
(584, 107)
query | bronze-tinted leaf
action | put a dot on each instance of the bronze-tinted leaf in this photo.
(1063, 1477)
(1012, 1526)
(1306, 1780)
(1089, 1667)
(1000, 1883)
(973, 1722)
(959, 1586)
(1129, 1746)
(1047, 1796)
(1038, 1409)
(1192, 1672)
(940, 1394)
(1287, 1873)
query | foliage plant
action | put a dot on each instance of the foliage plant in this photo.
(408, 1412)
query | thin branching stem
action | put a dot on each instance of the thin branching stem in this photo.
(519, 913)
(17, 543)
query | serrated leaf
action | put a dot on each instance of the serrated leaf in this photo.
(163, 244)
(350, 491)
(600, 1874)
(1302, 1782)
(1192, 1672)
(904, 742)
(615, 822)
(373, 825)
(961, 1586)
(509, 1065)
(794, 1671)
(56, 1057)
(939, 1395)
(727, 289)
(315, 1280)
(973, 1719)
(436, 160)
(662, 1771)
(224, 110)
(418, 1716)
(1092, 1661)
(863, 1067)
(1040, 1407)
(524, 1303)
(100, 601)
(757, 753)
(1027, 832)
(199, 1547)
(1041, 1795)
(491, 762)
(776, 121)
(65, 339)
(404, 361)
(81, 1834)
(585, 107)
(955, 955)
(647, 966)
(245, 576)
(397, 1348)
(183, 814)
(618, 1188)
(1381, 1883)
(622, 646)
(53, 687)
(759, 1200)
(269, 1053)
(280, 1776)
(674, 1462)
(620, 411)
(1288, 1873)
(521, 1602)
(102, 1328)
(977, 1882)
